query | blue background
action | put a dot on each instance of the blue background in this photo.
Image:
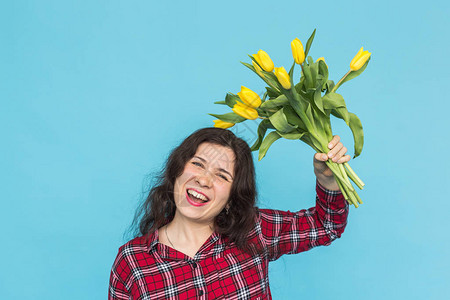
(94, 95)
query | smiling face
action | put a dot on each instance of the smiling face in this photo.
(201, 192)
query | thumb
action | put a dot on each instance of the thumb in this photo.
(321, 156)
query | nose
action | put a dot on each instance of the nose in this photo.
(205, 178)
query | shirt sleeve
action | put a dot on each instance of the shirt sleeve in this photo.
(119, 273)
(285, 232)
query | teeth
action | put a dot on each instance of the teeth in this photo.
(197, 195)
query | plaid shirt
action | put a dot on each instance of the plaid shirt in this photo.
(151, 270)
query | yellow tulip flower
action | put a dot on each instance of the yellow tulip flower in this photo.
(222, 124)
(297, 51)
(264, 60)
(249, 97)
(245, 111)
(359, 60)
(283, 77)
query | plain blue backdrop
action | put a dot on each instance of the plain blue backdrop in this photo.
(94, 95)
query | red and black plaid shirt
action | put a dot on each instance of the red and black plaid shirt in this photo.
(151, 270)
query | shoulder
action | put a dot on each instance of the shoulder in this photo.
(134, 247)
(271, 215)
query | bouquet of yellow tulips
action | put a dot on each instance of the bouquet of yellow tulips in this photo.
(299, 111)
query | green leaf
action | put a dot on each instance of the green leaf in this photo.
(220, 102)
(231, 99)
(341, 113)
(252, 68)
(354, 74)
(329, 85)
(249, 66)
(308, 96)
(307, 139)
(291, 71)
(272, 92)
(279, 121)
(314, 67)
(267, 142)
(279, 101)
(229, 117)
(309, 42)
(295, 135)
(317, 120)
(308, 76)
(273, 79)
(358, 134)
(266, 78)
(263, 99)
(262, 128)
(309, 114)
(269, 77)
(293, 118)
(333, 100)
(299, 86)
(318, 100)
(323, 70)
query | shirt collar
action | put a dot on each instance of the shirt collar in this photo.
(165, 252)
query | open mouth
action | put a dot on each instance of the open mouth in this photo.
(196, 198)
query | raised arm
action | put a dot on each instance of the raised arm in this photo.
(286, 232)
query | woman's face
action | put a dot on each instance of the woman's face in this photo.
(201, 192)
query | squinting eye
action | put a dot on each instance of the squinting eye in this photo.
(224, 177)
(197, 163)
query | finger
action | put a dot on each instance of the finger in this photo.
(344, 159)
(321, 156)
(334, 141)
(340, 154)
(335, 150)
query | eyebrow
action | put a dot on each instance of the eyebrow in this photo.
(220, 169)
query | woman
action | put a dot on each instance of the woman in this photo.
(202, 237)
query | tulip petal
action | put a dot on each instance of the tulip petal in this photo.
(297, 51)
(245, 111)
(283, 77)
(265, 61)
(222, 124)
(249, 97)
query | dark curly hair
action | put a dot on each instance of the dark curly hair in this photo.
(159, 207)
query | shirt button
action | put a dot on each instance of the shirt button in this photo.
(194, 265)
(200, 292)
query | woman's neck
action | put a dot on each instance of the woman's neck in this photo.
(182, 231)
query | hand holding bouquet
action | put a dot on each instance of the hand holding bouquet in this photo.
(299, 111)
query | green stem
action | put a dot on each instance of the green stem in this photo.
(344, 193)
(350, 170)
(347, 194)
(358, 184)
(339, 82)
(336, 172)
(358, 198)
(344, 174)
(353, 198)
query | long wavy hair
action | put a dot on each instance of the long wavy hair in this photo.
(159, 206)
